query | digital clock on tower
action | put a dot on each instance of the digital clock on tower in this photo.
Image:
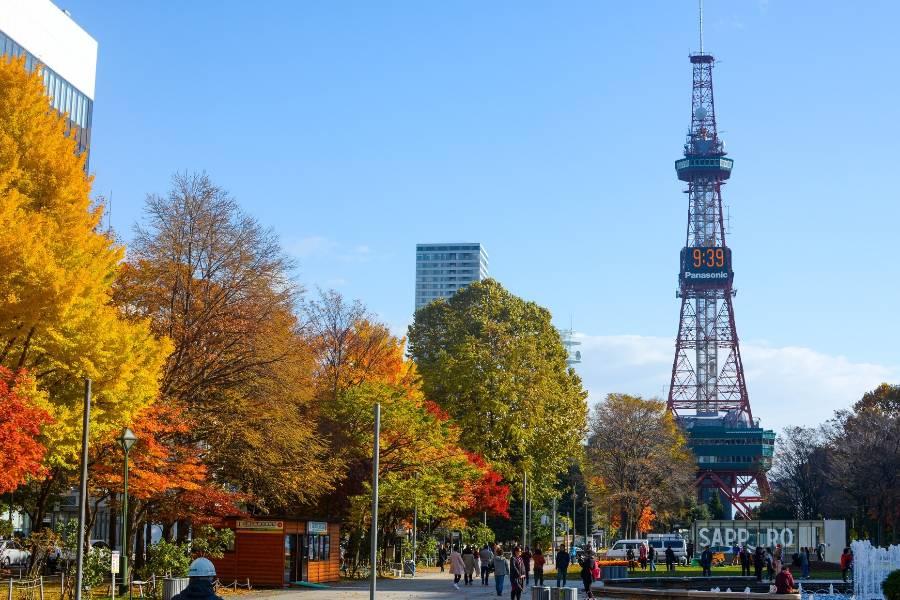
(706, 266)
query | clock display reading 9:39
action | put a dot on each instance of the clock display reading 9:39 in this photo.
(706, 265)
(708, 257)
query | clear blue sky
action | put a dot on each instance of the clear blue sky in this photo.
(547, 131)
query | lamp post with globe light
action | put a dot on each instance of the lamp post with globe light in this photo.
(127, 439)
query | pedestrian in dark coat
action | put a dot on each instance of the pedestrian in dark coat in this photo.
(562, 566)
(202, 577)
(517, 574)
(745, 561)
(526, 560)
(759, 561)
(670, 559)
(587, 573)
(706, 561)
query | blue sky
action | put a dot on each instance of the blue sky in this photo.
(547, 131)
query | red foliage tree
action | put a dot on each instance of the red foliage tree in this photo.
(489, 494)
(20, 425)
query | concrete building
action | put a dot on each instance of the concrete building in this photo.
(46, 35)
(442, 269)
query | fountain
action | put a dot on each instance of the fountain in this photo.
(871, 566)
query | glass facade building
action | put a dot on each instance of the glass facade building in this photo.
(442, 269)
(46, 37)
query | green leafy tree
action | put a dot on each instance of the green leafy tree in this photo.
(497, 365)
(715, 506)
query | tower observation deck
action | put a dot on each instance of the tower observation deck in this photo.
(708, 393)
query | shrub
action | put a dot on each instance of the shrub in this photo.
(891, 586)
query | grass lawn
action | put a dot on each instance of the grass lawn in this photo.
(693, 571)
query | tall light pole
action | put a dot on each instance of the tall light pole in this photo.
(82, 491)
(524, 508)
(126, 440)
(373, 551)
(553, 544)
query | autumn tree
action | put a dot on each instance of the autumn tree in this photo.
(20, 427)
(217, 283)
(168, 478)
(497, 365)
(57, 320)
(422, 466)
(640, 458)
(865, 446)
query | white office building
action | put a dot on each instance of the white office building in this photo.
(442, 269)
(45, 35)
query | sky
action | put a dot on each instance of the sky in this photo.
(548, 132)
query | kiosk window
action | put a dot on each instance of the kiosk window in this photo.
(319, 546)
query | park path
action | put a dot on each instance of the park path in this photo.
(427, 585)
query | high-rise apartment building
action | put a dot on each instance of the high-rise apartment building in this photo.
(442, 269)
(45, 35)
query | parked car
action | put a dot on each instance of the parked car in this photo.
(12, 553)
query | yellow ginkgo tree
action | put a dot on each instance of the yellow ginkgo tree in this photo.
(57, 267)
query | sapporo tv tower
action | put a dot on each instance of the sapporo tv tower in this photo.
(708, 393)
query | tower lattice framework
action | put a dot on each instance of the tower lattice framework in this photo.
(707, 372)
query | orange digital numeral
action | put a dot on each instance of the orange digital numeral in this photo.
(720, 257)
(698, 258)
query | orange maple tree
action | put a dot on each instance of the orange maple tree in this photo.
(167, 475)
(20, 426)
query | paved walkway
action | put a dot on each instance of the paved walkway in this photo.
(429, 586)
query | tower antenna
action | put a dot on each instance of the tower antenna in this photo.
(701, 26)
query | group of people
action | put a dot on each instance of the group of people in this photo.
(647, 555)
(517, 565)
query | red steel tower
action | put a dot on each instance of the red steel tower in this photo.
(708, 393)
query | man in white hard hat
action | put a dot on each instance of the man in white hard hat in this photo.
(202, 575)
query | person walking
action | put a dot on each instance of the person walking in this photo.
(778, 558)
(690, 552)
(770, 565)
(629, 556)
(501, 570)
(539, 561)
(526, 560)
(486, 557)
(457, 567)
(706, 562)
(442, 557)
(670, 560)
(820, 552)
(784, 581)
(642, 556)
(516, 574)
(651, 557)
(804, 563)
(745, 561)
(759, 561)
(562, 566)
(469, 561)
(846, 563)
(587, 572)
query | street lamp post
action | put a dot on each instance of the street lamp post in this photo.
(126, 440)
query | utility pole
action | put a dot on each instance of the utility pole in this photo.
(574, 516)
(373, 551)
(524, 507)
(82, 492)
(553, 544)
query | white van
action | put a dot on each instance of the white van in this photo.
(677, 544)
(619, 550)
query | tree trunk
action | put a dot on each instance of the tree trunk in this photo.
(140, 545)
(167, 531)
(184, 526)
(113, 522)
